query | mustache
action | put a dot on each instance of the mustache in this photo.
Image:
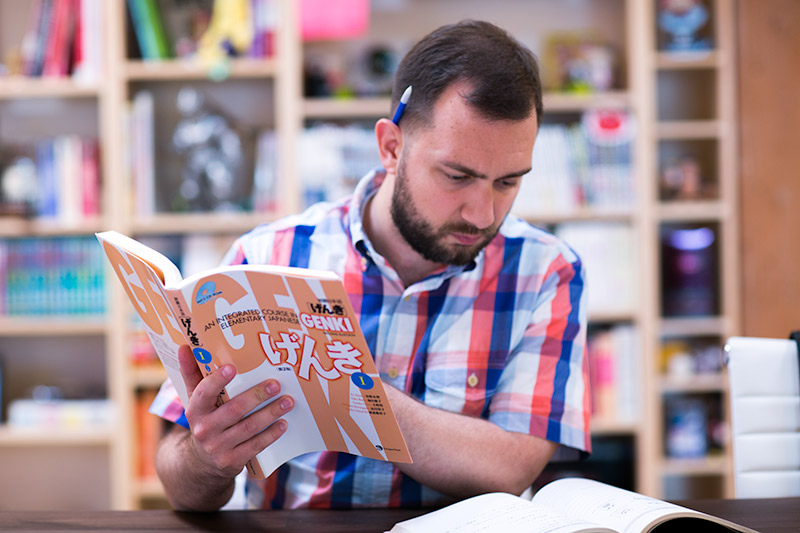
(465, 229)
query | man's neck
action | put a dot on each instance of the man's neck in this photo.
(410, 266)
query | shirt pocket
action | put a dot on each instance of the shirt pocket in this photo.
(456, 388)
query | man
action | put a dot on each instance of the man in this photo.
(476, 320)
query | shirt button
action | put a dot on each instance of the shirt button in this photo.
(473, 380)
(393, 372)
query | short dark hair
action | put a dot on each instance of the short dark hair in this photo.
(503, 73)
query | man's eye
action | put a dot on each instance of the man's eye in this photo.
(507, 184)
(457, 177)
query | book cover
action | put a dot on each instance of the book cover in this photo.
(293, 325)
(145, 35)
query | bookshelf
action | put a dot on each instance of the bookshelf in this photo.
(267, 94)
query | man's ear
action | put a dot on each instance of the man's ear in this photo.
(390, 143)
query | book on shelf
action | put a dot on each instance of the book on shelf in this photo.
(63, 37)
(568, 505)
(68, 179)
(586, 164)
(140, 154)
(608, 250)
(149, 29)
(613, 373)
(51, 276)
(294, 325)
(148, 434)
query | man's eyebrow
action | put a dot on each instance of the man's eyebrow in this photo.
(474, 173)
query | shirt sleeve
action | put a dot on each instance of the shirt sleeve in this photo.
(544, 387)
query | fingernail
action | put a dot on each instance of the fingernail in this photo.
(286, 403)
(273, 387)
(227, 371)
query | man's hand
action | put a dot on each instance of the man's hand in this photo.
(198, 467)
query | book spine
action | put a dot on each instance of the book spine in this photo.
(31, 39)
(90, 175)
(3, 293)
(142, 152)
(42, 37)
(57, 49)
(77, 57)
(142, 29)
(48, 190)
(148, 433)
(157, 34)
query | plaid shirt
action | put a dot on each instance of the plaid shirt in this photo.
(502, 339)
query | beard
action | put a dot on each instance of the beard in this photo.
(426, 240)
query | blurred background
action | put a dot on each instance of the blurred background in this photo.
(665, 159)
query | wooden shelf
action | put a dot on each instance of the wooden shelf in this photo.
(694, 384)
(693, 327)
(708, 59)
(689, 129)
(19, 87)
(703, 466)
(52, 326)
(18, 226)
(569, 102)
(149, 489)
(54, 437)
(612, 316)
(341, 108)
(192, 70)
(604, 427)
(586, 214)
(374, 107)
(147, 376)
(211, 223)
(689, 211)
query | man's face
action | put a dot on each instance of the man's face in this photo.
(456, 180)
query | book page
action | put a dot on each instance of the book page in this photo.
(618, 509)
(489, 513)
(165, 269)
(143, 286)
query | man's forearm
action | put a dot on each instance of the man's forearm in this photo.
(463, 456)
(187, 486)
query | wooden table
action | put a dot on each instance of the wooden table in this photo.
(765, 515)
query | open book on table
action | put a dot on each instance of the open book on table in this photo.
(291, 324)
(569, 505)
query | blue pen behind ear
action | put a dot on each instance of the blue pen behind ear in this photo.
(402, 105)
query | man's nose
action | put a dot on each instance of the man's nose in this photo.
(478, 208)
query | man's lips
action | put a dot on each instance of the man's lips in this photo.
(467, 239)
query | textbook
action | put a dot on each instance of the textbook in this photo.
(294, 325)
(568, 505)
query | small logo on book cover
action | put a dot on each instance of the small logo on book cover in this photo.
(207, 291)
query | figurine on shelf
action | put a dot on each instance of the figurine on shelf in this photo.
(212, 172)
(18, 187)
(229, 34)
(681, 179)
(681, 20)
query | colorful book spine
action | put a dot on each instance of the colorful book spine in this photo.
(59, 39)
(87, 42)
(149, 29)
(68, 179)
(52, 276)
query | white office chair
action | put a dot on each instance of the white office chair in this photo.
(765, 416)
